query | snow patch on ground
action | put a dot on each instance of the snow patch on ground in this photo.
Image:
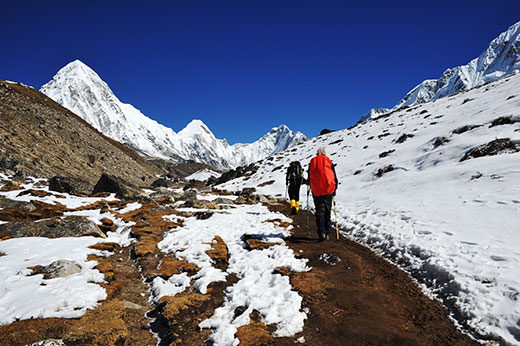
(257, 289)
(25, 296)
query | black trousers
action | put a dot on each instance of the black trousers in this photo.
(323, 206)
(294, 191)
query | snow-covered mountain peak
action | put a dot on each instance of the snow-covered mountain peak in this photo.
(74, 73)
(78, 88)
(76, 67)
(501, 58)
(281, 128)
(195, 127)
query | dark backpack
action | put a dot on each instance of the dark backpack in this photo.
(294, 173)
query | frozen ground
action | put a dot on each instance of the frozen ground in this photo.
(25, 296)
(455, 226)
(258, 287)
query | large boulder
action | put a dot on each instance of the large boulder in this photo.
(70, 226)
(190, 195)
(162, 182)
(74, 186)
(8, 163)
(495, 147)
(58, 269)
(119, 186)
(6, 203)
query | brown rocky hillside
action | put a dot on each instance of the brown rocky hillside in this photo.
(41, 138)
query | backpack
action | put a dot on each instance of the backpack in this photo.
(321, 175)
(294, 173)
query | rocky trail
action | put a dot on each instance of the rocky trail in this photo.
(357, 298)
(350, 295)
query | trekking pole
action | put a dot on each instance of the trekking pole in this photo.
(336, 216)
(308, 209)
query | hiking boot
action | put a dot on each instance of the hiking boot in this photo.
(327, 237)
(293, 211)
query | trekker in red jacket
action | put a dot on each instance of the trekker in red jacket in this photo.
(323, 182)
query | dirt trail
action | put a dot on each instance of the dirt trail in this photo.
(360, 300)
(363, 299)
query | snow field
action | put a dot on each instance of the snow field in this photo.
(23, 296)
(454, 226)
(26, 296)
(258, 287)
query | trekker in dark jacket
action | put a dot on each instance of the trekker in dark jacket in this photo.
(294, 179)
(323, 182)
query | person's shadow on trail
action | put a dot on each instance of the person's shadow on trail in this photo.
(298, 240)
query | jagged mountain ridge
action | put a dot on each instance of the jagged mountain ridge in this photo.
(501, 58)
(78, 88)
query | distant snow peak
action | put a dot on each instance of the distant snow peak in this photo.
(374, 113)
(195, 127)
(501, 58)
(78, 88)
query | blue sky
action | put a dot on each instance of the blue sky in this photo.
(244, 67)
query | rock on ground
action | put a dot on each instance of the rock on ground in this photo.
(70, 226)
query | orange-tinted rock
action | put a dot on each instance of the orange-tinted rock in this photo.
(98, 205)
(282, 271)
(26, 332)
(42, 210)
(103, 325)
(105, 246)
(147, 245)
(254, 334)
(10, 186)
(219, 253)
(104, 267)
(39, 193)
(4, 236)
(257, 244)
(181, 302)
(107, 222)
(112, 288)
(171, 266)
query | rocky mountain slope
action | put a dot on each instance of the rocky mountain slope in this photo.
(40, 137)
(434, 188)
(501, 58)
(80, 89)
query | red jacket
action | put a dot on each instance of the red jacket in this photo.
(322, 176)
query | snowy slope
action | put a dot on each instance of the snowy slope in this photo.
(454, 226)
(80, 89)
(501, 58)
(203, 175)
